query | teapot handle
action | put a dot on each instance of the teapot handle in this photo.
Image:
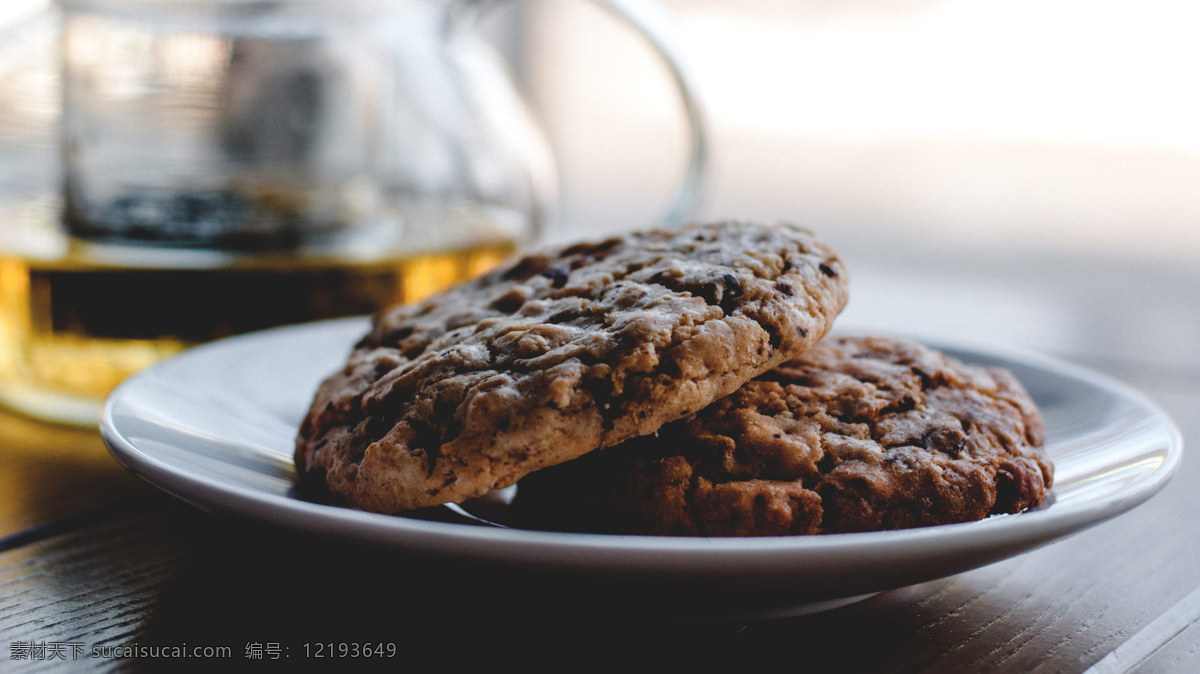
(650, 19)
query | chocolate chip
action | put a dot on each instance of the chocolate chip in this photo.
(733, 287)
(827, 270)
(786, 289)
(558, 277)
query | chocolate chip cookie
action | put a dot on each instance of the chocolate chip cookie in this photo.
(560, 353)
(858, 434)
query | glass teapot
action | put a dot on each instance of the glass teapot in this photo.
(172, 171)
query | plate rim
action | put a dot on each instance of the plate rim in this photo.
(640, 555)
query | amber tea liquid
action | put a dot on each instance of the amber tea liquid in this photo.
(71, 330)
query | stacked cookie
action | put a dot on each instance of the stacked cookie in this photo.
(687, 365)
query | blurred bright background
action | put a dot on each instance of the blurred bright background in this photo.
(1057, 124)
(1068, 125)
(987, 150)
(1023, 171)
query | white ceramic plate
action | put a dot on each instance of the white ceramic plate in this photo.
(214, 426)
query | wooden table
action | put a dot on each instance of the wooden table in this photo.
(93, 561)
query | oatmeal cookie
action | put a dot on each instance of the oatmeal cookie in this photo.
(562, 352)
(858, 434)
